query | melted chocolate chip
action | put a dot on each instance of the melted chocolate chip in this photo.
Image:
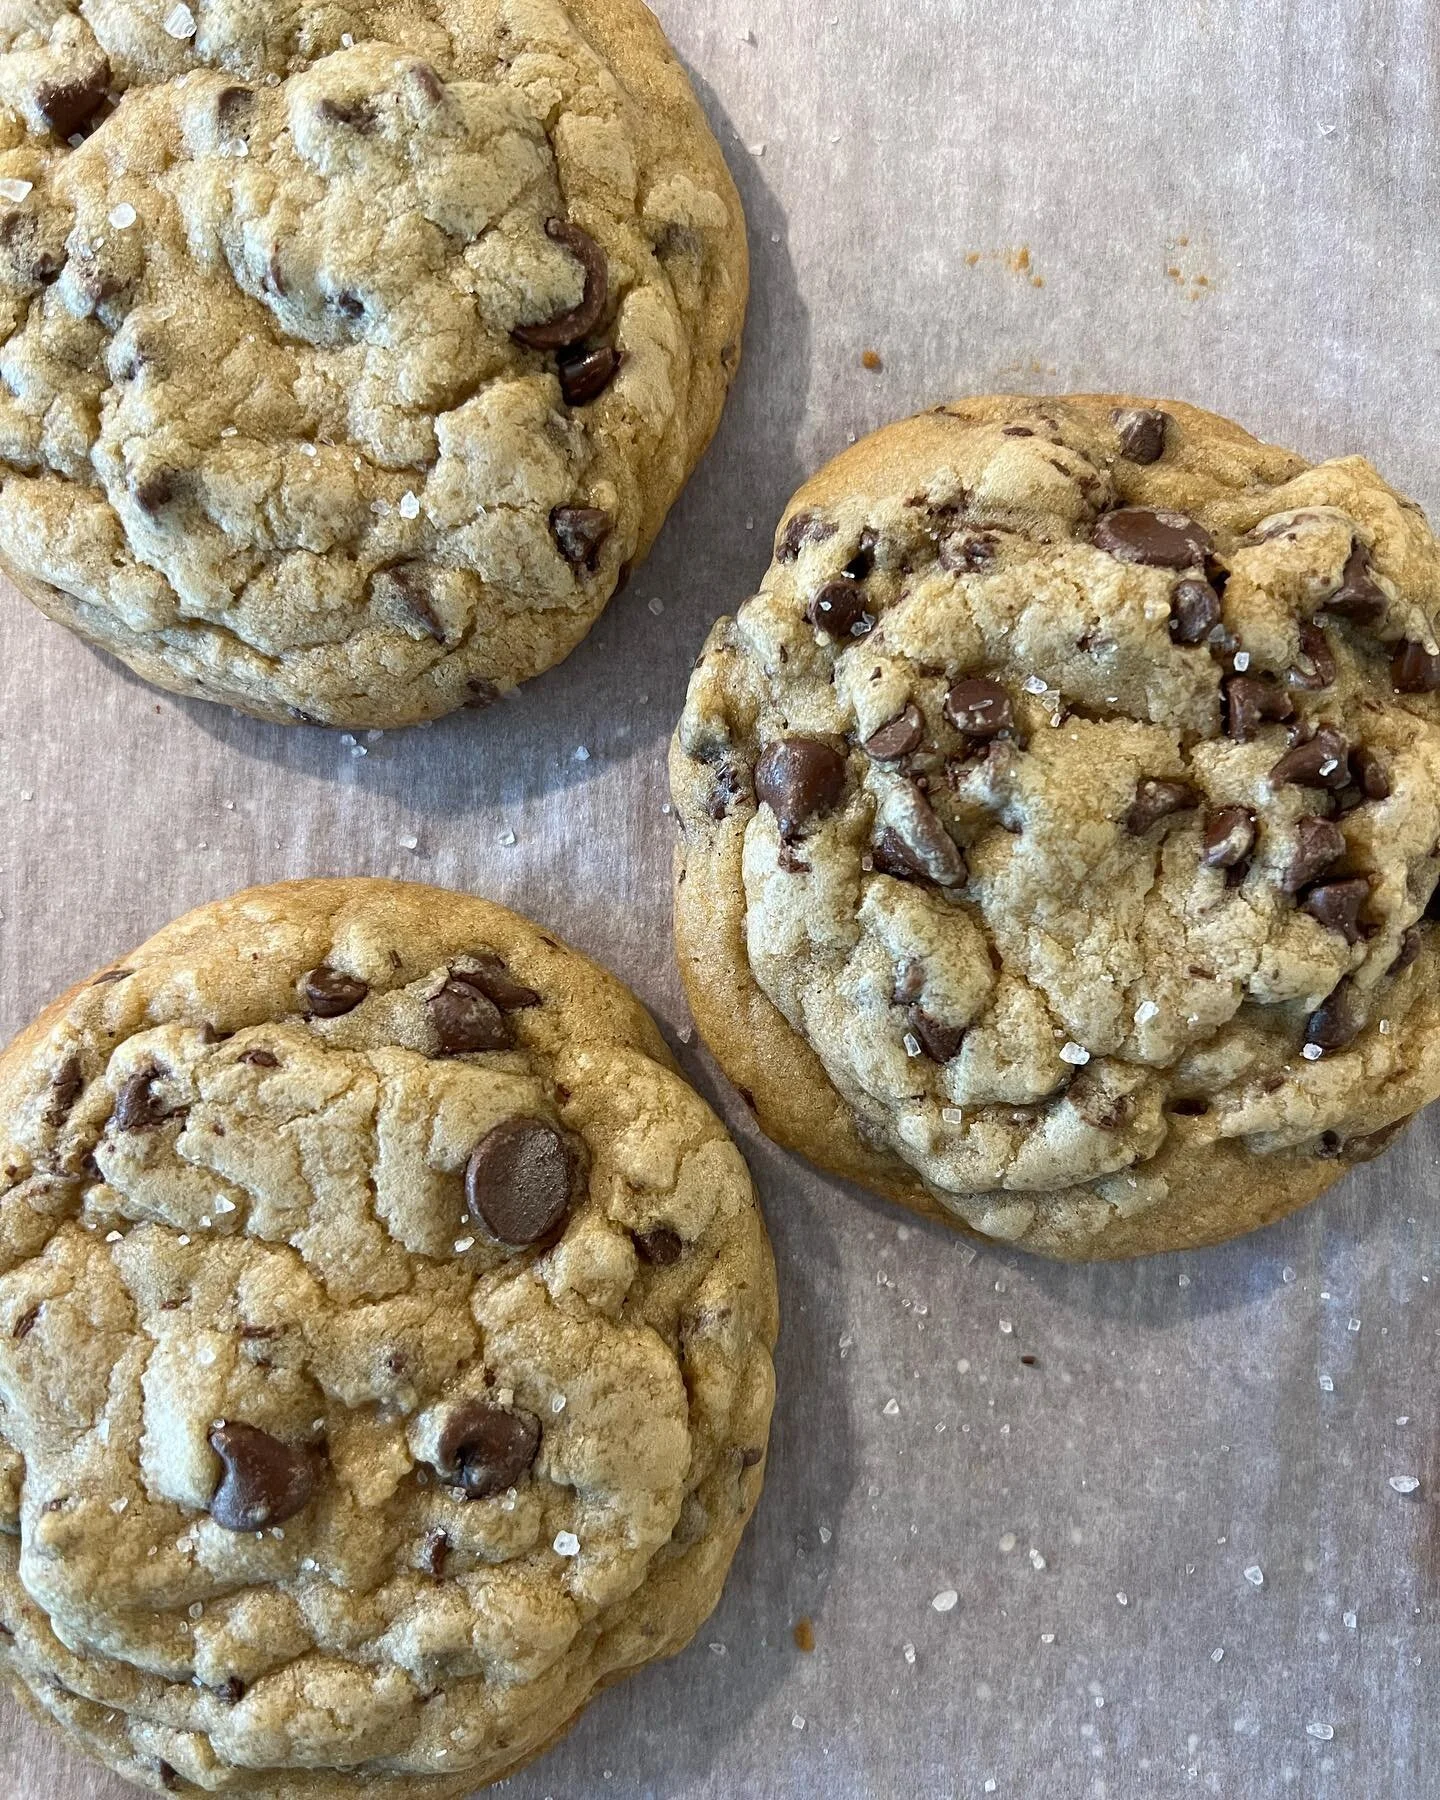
(265, 1482)
(939, 1041)
(979, 708)
(569, 327)
(1368, 772)
(66, 1085)
(1323, 762)
(1194, 612)
(329, 993)
(841, 610)
(1359, 597)
(662, 1246)
(1338, 1022)
(890, 855)
(1161, 540)
(580, 532)
(137, 1106)
(485, 1449)
(522, 1179)
(428, 81)
(584, 377)
(26, 1323)
(966, 552)
(899, 738)
(1337, 905)
(435, 1552)
(1318, 843)
(801, 529)
(862, 564)
(231, 1690)
(1157, 800)
(481, 692)
(233, 107)
(259, 1057)
(1316, 668)
(357, 115)
(797, 778)
(67, 105)
(1408, 953)
(1251, 699)
(1415, 670)
(153, 491)
(1229, 838)
(464, 1020)
(496, 983)
(1142, 432)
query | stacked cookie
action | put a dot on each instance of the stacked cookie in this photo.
(385, 1325)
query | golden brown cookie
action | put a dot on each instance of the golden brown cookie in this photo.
(1059, 823)
(353, 352)
(385, 1334)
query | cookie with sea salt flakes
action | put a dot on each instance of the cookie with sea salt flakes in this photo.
(353, 352)
(385, 1347)
(1059, 823)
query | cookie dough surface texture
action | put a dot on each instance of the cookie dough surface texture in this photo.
(385, 1335)
(351, 353)
(1059, 823)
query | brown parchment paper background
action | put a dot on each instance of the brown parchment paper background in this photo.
(1237, 203)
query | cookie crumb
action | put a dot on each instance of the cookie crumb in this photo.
(804, 1635)
(871, 359)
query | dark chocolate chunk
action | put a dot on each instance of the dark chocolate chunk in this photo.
(1316, 668)
(890, 855)
(66, 1085)
(979, 708)
(899, 738)
(357, 115)
(660, 1246)
(329, 993)
(153, 491)
(137, 1107)
(797, 778)
(1322, 762)
(1142, 432)
(862, 564)
(485, 1449)
(259, 1057)
(801, 529)
(434, 1552)
(26, 1323)
(233, 109)
(1415, 670)
(939, 1041)
(580, 532)
(265, 1482)
(1157, 800)
(464, 1020)
(231, 1690)
(569, 327)
(730, 784)
(1194, 612)
(522, 1179)
(1338, 904)
(966, 552)
(1359, 597)
(842, 610)
(67, 105)
(585, 377)
(1409, 951)
(1161, 540)
(1229, 838)
(1251, 699)
(496, 983)
(1369, 773)
(1318, 843)
(1338, 1022)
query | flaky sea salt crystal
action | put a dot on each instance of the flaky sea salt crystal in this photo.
(1217, 1654)
(891, 1409)
(1146, 1011)
(908, 1651)
(557, 1405)
(566, 1544)
(1255, 1575)
(1312, 1052)
(1034, 684)
(656, 606)
(1404, 1484)
(946, 1600)
(122, 217)
(1074, 1053)
(409, 506)
(1242, 661)
(912, 1044)
(1316, 1730)
(1123, 1597)
(1327, 1385)
(464, 1244)
(12, 188)
(180, 21)
(952, 1115)
(1350, 1621)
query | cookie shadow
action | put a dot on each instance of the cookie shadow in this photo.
(617, 695)
(780, 1575)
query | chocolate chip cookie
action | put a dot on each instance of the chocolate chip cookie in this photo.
(352, 352)
(1060, 823)
(385, 1334)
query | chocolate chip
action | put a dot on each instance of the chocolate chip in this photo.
(901, 736)
(1316, 668)
(1415, 670)
(496, 983)
(585, 377)
(939, 1041)
(1194, 612)
(841, 609)
(265, 1482)
(26, 1323)
(169, 1779)
(730, 784)
(569, 327)
(409, 584)
(1323, 762)
(233, 107)
(797, 778)
(1142, 432)
(1249, 699)
(1359, 598)
(927, 844)
(1161, 540)
(1229, 838)
(964, 553)
(801, 529)
(909, 982)
(485, 1449)
(890, 855)
(1368, 772)
(259, 1058)
(1409, 951)
(358, 115)
(1338, 1022)
(1337, 905)
(1017, 431)
(65, 1088)
(231, 1690)
(137, 1107)
(464, 1020)
(522, 1179)
(580, 531)
(1318, 843)
(481, 692)
(979, 708)
(111, 975)
(434, 1551)
(1157, 800)
(67, 105)
(428, 81)
(862, 564)
(153, 491)
(350, 305)
(662, 1246)
(329, 993)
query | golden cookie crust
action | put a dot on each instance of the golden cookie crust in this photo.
(233, 1197)
(270, 432)
(1202, 1119)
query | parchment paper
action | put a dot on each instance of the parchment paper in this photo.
(1230, 202)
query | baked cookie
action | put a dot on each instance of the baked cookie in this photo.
(385, 1334)
(1060, 822)
(352, 351)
